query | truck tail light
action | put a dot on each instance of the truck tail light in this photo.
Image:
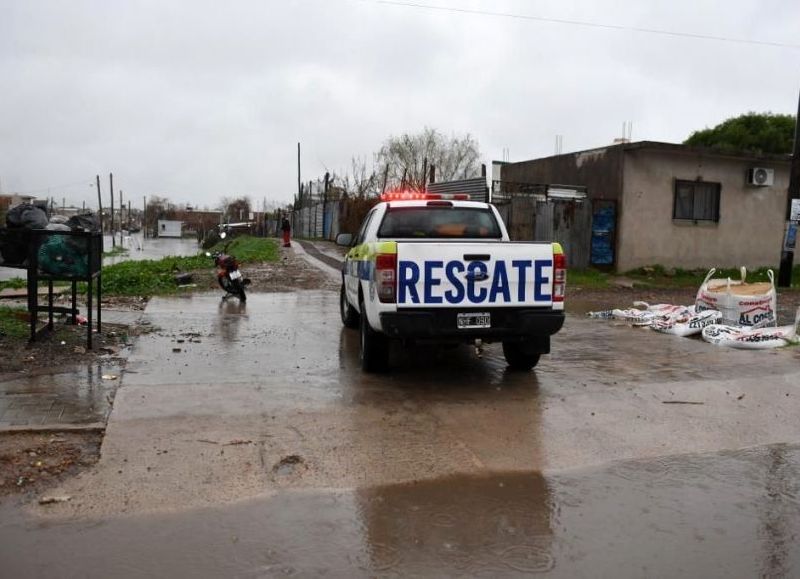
(559, 277)
(386, 276)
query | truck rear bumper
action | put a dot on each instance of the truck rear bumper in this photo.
(440, 324)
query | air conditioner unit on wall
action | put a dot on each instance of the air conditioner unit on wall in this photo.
(760, 177)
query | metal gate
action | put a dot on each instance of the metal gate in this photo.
(566, 221)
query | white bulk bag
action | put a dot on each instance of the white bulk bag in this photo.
(753, 338)
(687, 322)
(633, 316)
(740, 303)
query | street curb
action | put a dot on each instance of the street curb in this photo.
(44, 428)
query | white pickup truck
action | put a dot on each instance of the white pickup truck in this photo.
(444, 271)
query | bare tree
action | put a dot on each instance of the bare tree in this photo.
(235, 209)
(364, 180)
(410, 155)
(158, 208)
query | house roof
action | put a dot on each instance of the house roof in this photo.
(674, 148)
(705, 151)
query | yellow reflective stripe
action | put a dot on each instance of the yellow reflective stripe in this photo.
(557, 249)
(368, 251)
(386, 247)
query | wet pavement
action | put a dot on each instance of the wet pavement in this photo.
(53, 398)
(245, 441)
(727, 514)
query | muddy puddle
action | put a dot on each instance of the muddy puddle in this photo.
(730, 514)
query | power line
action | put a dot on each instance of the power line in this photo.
(584, 23)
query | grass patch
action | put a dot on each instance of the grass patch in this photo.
(14, 283)
(13, 322)
(248, 249)
(588, 278)
(149, 276)
(154, 277)
(659, 276)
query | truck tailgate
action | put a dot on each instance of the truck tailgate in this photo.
(447, 275)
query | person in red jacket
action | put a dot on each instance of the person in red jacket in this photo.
(286, 227)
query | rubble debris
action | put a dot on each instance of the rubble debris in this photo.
(49, 500)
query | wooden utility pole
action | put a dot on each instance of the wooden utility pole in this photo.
(121, 211)
(791, 227)
(144, 216)
(325, 203)
(299, 186)
(113, 231)
(385, 178)
(99, 203)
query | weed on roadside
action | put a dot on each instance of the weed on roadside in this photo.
(13, 283)
(13, 322)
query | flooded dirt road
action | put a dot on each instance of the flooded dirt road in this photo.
(245, 441)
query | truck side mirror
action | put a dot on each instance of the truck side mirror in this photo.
(344, 239)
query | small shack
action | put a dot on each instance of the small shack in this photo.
(168, 228)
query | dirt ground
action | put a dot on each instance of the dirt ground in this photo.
(32, 463)
(291, 272)
(19, 356)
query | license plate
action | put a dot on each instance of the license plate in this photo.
(235, 274)
(474, 320)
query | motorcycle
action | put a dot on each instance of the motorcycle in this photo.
(228, 275)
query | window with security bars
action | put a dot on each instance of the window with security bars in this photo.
(696, 201)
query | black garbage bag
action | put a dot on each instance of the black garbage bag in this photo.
(26, 216)
(84, 222)
(14, 246)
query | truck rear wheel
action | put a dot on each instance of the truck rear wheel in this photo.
(520, 355)
(348, 312)
(374, 351)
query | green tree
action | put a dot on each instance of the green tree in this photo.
(756, 132)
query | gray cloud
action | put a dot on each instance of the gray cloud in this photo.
(197, 100)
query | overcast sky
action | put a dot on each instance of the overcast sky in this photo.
(197, 100)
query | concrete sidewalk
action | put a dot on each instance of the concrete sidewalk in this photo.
(71, 397)
(74, 398)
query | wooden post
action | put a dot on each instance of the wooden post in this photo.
(99, 204)
(121, 211)
(113, 232)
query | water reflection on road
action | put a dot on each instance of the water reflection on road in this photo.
(140, 248)
(729, 514)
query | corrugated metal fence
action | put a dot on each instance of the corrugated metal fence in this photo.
(566, 221)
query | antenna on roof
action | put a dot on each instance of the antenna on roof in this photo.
(627, 131)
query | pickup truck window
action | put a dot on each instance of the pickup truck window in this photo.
(439, 223)
(360, 237)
